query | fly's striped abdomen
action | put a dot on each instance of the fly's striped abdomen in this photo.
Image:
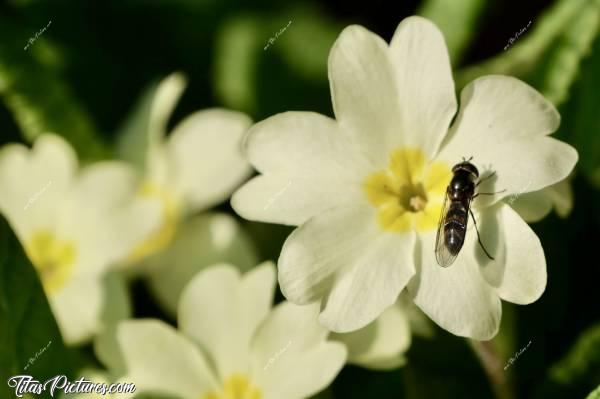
(455, 226)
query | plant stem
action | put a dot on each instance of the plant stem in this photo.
(484, 350)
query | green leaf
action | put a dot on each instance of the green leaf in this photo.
(557, 28)
(555, 75)
(580, 117)
(582, 359)
(38, 99)
(30, 342)
(237, 49)
(595, 394)
(306, 42)
(456, 19)
(578, 372)
(260, 59)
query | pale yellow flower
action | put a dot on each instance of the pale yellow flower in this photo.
(74, 224)
(365, 189)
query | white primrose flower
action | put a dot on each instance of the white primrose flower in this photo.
(196, 167)
(73, 224)
(366, 189)
(214, 238)
(231, 343)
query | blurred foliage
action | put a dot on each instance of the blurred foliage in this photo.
(310, 26)
(560, 65)
(82, 76)
(581, 117)
(595, 394)
(30, 342)
(251, 48)
(558, 39)
(458, 24)
(39, 100)
(235, 62)
(578, 372)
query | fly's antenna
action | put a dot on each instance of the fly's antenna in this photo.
(467, 160)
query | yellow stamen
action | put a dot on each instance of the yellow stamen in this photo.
(409, 194)
(236, 387)
(52, 258)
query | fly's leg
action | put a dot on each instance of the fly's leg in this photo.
(497, 192)
(478, 237)
(486, 178)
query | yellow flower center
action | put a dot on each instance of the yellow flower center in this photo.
(236, 387)
(170, 216)
(52, 258)
(409, 194)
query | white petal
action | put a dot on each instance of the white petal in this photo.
(117, 307)
(77, 308)
(360, 294)
(364, 92)
(519, 272)
(106, 349)
(200, 242)
(78, 304)
(158, 171)
(457, 298)
(503, 124)
(104, 211)
(167, 94)
(308, 164)
(280, 198)
(342, 257)
(146, 126)
(222, 310)
(289, 341)
(561, 195)
(159, 359)
(33, 183)
(381, 344)
(205, 152)
(426, 97)
(304, 145)
(533, 206)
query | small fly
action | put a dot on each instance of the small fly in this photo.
(452, 226)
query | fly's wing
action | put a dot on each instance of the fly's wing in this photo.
(443, 256)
